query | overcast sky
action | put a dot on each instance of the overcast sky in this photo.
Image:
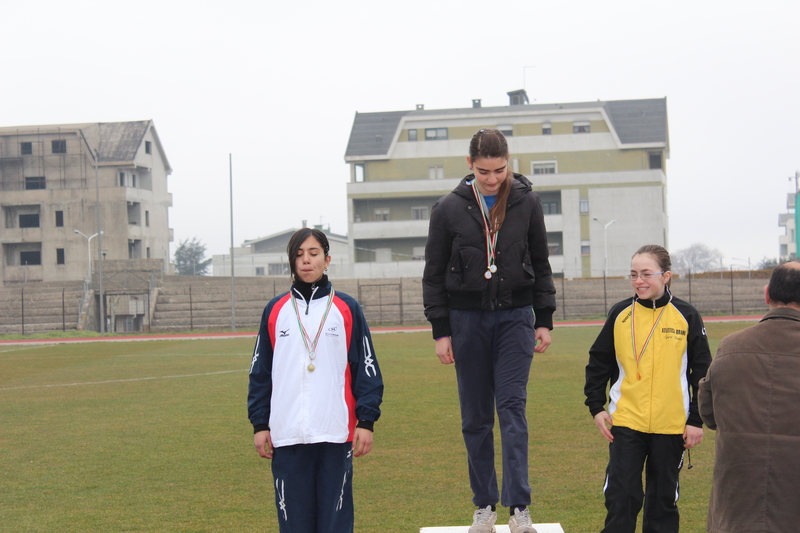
(278, 86)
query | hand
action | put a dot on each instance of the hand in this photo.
(263, 443)
(362, 442)
(444, 349)
(543, 338)
(603, 422)
(692, 436)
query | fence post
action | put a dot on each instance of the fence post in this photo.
(563, 298)
(690, 285)
(22, 301)
(401, 302)
(63, 312)
(732, 312)
(191, 314)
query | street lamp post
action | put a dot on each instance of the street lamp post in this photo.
(605, 242)
(89, 250)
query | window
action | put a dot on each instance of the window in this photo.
(32, 183)
(419, 213)
(148, 147)
(655, 160)
(383, 255)
(547, 128)
(580, 127)
(551, 202)
(121, 179)
(29, 221)
(435, 134)
(555, 243)
(506, 129)
(59, 146)
(515, 165)
(418, 253)
(277, 269)
(147, 218)
(584, 207)
(259, 271)
(30, 258)
(382, 215)
(26, 148)
(435, 173)
(59, 219)
(586, 249)
(544, 168)
(133, 180)
(412, 135)
(358, 172)
(60, 256)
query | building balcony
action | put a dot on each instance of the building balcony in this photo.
(389, 229)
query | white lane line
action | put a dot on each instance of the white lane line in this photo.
(121, 380)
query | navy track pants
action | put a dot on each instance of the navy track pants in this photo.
(493, 352)
(314, 487)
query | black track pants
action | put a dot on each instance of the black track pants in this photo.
(661, 458)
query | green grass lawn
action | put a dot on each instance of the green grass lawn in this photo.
(153, 436)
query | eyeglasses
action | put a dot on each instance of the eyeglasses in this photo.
(644, 275)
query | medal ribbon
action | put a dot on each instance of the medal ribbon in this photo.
(491, 238)
(638, 355)
(306, 338)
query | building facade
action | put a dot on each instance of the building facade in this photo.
(266, 256)
(787, 242)
(599, 168)
(52, 177)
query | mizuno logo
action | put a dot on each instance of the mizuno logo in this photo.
(279, 490)
(284, 333)
(255, 354)
(369, 362)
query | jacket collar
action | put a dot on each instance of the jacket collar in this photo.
(655, 304)
(318, 289)
(785, 313)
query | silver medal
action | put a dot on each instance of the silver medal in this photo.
(493, 269)
(487, 275)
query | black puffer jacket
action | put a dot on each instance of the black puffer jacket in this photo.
(455, 258)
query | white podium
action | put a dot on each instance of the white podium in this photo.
(540, 528)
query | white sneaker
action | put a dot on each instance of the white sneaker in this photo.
(520, 522)
(483, 520)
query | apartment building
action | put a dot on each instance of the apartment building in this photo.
(54, 178)
(599, 168)
(266, 256)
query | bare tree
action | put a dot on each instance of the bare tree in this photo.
(696, 258)
(768, 263)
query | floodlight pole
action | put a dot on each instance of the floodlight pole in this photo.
(88, 251)
(100, 237)
(605, 243)
(233, 285)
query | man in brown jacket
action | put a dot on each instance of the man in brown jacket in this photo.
(751, 396)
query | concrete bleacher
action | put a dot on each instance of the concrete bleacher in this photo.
(40, 307)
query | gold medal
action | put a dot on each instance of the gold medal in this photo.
(311, 367)
(493, 269)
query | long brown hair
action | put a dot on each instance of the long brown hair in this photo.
(491, 144)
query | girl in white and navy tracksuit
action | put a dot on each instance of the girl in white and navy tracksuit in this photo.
(311, 403)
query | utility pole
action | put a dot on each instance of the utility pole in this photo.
(796, 212)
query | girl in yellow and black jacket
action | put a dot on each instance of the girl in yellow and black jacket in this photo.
(652, 351)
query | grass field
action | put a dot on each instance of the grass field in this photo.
(153, 436)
